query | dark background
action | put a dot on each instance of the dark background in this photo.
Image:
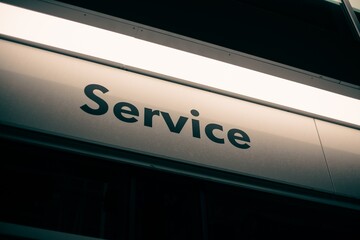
(313, 35)
(67, 189)
(68, 192)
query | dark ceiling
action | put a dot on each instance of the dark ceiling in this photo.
(313, 35)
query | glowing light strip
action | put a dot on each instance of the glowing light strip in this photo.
(61, 33)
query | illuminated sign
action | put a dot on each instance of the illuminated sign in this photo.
(86, 101)
(65, 96)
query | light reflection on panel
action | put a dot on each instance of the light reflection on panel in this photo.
(44, 91)
(342, 150)
(189, 68)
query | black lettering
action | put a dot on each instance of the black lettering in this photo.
(209, 130)
(195, 124)
(89, 92)
(122, 108)
(148, 118)
(129, 113)
(176, 128)
(242, 136)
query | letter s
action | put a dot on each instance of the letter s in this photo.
(89, 92)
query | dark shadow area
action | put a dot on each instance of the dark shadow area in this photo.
(68, 192)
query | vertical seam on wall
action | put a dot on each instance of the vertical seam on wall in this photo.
(323, 151)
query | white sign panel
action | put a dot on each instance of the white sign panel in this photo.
(61, 95)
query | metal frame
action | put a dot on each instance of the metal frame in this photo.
(351, 15)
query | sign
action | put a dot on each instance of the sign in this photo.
(65, 96)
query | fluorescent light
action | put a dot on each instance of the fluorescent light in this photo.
(84, 39)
